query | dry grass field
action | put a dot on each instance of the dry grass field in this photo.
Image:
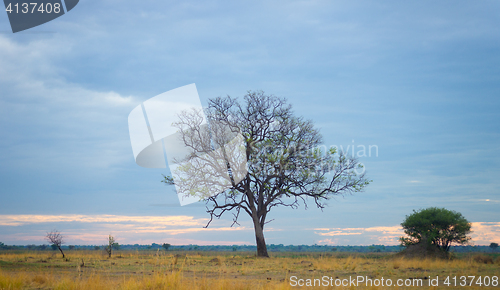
(215, 270)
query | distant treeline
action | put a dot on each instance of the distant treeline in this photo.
(245, 248)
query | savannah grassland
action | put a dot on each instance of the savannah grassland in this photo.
(227, 270)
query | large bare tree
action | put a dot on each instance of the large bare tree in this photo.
(56, 239)
(277, 161)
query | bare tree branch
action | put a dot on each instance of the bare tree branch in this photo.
(282, 163)
(56, 239)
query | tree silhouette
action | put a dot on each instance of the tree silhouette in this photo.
(56, 239)
(256, 155)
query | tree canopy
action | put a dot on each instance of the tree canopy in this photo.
(437, 226)
(277, 161)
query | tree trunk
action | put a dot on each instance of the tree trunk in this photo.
(61, 251)
(259, 237)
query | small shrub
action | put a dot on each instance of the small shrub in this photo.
(396, 264)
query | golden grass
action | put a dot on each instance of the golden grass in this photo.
(90, 270)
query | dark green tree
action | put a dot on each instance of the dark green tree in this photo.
(166, 246)
(5, 247)
(436, 226)
(494, 246)
(285, 165)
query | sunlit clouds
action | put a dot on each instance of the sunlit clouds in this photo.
(92, 229)
(184, 229)
(365, 236)
(17, 220)
(483, 233)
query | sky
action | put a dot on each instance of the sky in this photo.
(418, 81)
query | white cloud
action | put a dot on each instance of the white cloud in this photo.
(54, 119)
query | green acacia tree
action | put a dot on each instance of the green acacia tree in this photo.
(281, 152)
(436, 226)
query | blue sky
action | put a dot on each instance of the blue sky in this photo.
(418, 80)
